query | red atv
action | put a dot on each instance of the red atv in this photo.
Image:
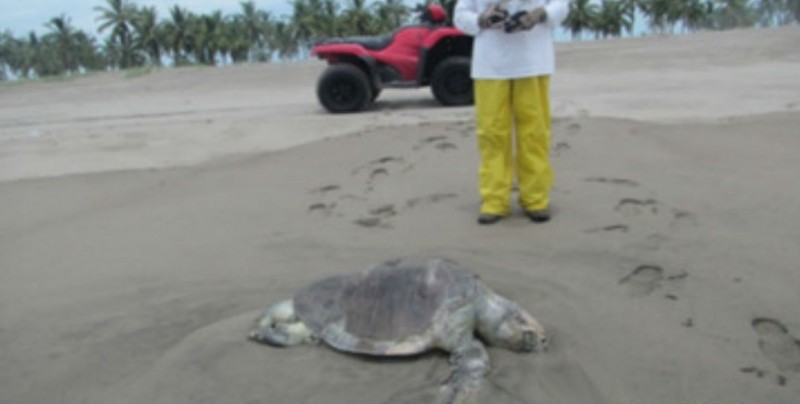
(429, 54)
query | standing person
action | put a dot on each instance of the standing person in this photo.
(512, 60)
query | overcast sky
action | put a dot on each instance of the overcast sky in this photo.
(21, 16)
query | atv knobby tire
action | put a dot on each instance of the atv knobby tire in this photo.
(344, 88)
(451, 83)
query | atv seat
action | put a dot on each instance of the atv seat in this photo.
(370, 42)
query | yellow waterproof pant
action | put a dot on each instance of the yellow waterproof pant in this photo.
(505, 107)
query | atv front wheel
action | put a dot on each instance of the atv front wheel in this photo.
(451, 83)
(344, 88)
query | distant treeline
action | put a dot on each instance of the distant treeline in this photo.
(136, 36)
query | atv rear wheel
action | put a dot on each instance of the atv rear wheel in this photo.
(344, 88)
(451, 83)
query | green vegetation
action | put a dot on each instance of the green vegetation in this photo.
(136, 37)
(607, 18)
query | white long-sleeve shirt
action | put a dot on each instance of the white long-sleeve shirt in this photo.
(498, 55)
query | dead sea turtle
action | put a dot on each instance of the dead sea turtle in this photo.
(406, 307)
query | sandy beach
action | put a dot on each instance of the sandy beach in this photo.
(146, 219)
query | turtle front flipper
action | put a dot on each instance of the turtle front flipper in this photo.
(279, 326)
(469, 365)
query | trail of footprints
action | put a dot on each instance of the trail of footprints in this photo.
(570, 128)
(775, 341)
(646, 279)
(330, 198)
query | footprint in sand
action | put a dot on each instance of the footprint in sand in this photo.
(622, 228)
(377, 217)
(468, 131)
(682, 218)
(613, 181)
(573, 128)
(326, 189)
(560, 148)
(322, 207)
(381, 162)
(378, 172)
(428, 140)
(643, 280)
(445, 146)
(439, 142)
(760, 373)
(325, 209)
(428, 199)
(385, 211)
(370, 222)
(780, 379)
(380, 168)
(777, 344)
(635, 207)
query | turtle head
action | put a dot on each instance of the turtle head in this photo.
(531, 334)
(503, 323)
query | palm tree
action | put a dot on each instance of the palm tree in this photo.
(357, 20)
(206, 35)
(64, 44)
(148, 35)
(5, 53)
(697, 14)
(390, 14)
(13, 54)
(776, 12)
(581, 17)
(31, 59)
(176, 32)
(314, 19)
(662, 14)
(733, 14)
(253, 22)
(214, 24)
(283, 40)
(793, 7)
(39, 59)
(233, 41)
(300, 20)
(327, 19)
(119, 16)
(112, 53)
(87, 53)
(612, 19)
(194, 37)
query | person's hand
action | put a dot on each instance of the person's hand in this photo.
(493, 18)
(525, 20)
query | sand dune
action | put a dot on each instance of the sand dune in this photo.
(145, 221)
